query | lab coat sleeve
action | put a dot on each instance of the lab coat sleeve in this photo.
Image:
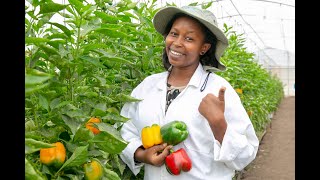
(240, 143)
(131, 134)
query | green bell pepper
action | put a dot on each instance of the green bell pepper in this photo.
(174, 132)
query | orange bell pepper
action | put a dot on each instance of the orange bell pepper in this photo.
(54, 156)
(91, 127)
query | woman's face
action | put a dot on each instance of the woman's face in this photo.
(185, 42)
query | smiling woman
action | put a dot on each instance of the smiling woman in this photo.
(220, 131)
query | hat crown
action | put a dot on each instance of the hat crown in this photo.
(202, 13)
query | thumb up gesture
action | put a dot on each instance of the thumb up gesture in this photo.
(212, 108)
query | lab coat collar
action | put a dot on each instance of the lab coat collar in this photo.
(194, 81)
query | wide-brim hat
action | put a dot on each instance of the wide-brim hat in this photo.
(207, 18)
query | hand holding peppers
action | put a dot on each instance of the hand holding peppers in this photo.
(177, 161)
(172, 134)
(154, 155)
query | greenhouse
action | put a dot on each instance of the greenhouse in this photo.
(86, 60)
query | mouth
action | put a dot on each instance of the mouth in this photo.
(175, 53)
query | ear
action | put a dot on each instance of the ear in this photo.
(205, 47)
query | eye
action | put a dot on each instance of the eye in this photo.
(189, 39)
(173, 33)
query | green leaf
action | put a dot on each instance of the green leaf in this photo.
(58, 36)
(206, 6)
(126, 98)
(111, 117)
(57, 104)
(77, 5)
(77, 158)
(32, 145)
(112, 33)
(34, 80)
(83, 135)
(132, 5)
(118, 163)
(102, 80)
(117, 59)
(51, 7)
(43, 102)
(99, 109)
(98, 112)
(63, 28)
(109, 174)
(29, 90)
(106, 17)
(31, 173)
(30, 126)
(108, 99)
(49, 50)
(57, 43)
(34, 77)
(109, 139)
(94, 61)
(131, 50)
(75, 113)
(101, 106)
(35, 40)
(72, 123)
(90, 94)
(90, 47)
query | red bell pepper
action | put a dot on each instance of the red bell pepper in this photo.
(177, 161)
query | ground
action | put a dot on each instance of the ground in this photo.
(275, 159)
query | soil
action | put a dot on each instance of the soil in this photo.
(275, 159)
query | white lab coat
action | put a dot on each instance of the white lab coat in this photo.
(210, 159)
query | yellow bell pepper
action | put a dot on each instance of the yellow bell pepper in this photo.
(150, 136)
(93, 170)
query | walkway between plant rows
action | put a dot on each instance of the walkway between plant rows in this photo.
(275, 159)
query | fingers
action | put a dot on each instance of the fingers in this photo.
(159, 148)
(221, 93)
(159, 153)
(163, 149)
(166, 151)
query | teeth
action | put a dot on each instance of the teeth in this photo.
(175, 53)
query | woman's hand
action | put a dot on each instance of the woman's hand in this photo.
(212, 108)
(154, 155)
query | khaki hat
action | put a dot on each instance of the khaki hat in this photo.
(207, 18)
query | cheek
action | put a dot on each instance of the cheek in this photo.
(167, 43)
(193, 51)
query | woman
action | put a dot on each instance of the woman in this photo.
(221, 136)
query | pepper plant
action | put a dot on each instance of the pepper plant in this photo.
(82, 68)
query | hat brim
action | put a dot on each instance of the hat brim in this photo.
(164, 16)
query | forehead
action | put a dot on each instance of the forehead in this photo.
(187, 22)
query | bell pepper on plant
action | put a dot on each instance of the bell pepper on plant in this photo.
(150, 136)
(93, 170)
(174, 132)
(178, 161)
(54, 156)
(91, 127)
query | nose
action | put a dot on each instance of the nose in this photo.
(177, 41)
